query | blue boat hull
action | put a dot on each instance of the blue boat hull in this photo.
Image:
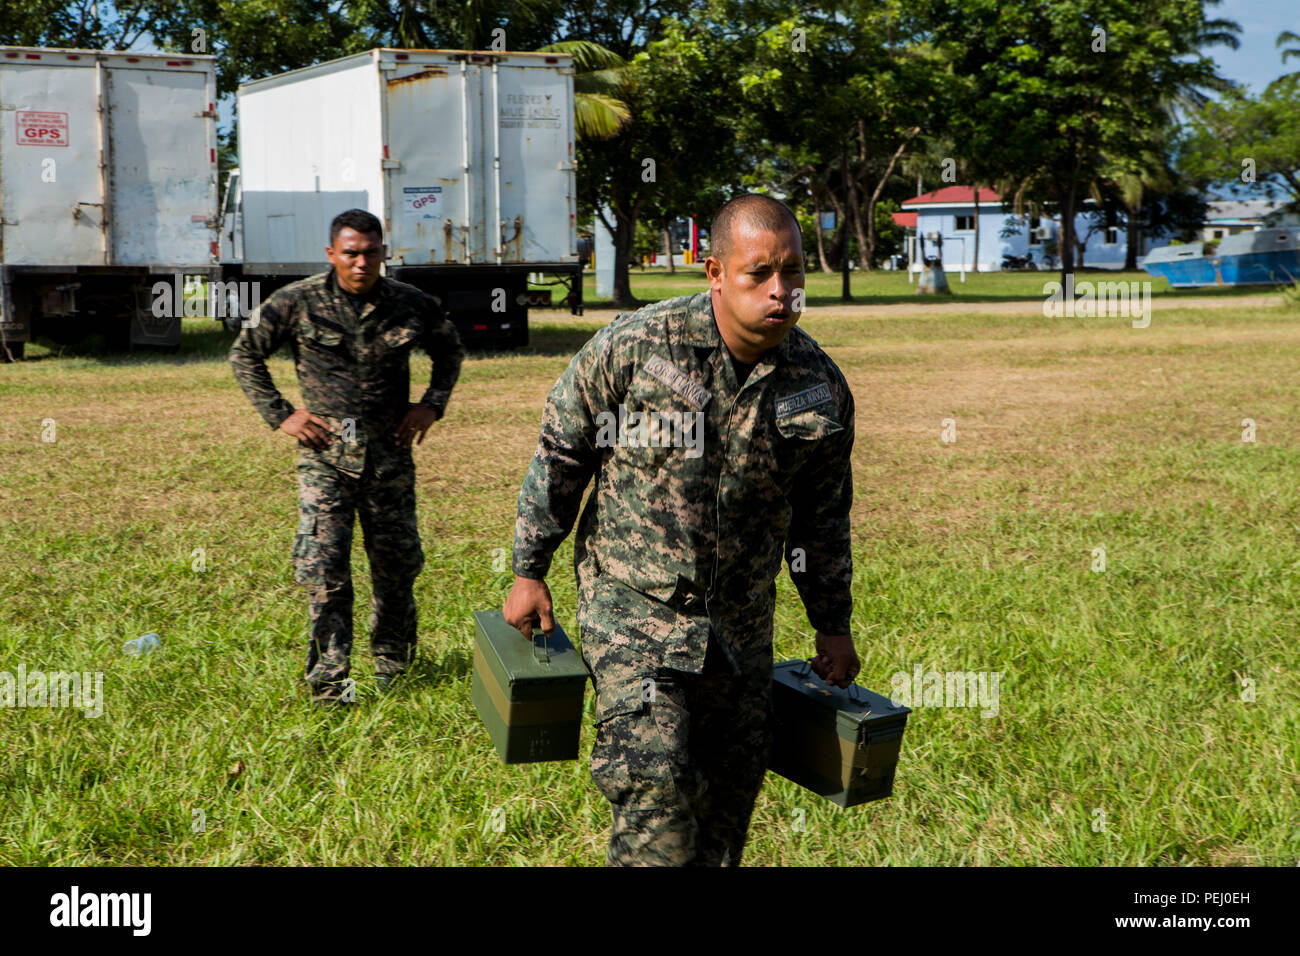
(1184, 273)
(1261, 268)
(1268, 256)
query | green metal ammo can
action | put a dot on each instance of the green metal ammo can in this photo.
(840, 744)
(528, 693)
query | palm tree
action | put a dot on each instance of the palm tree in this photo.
(1286, 36)
(598, 112)
(598, 81)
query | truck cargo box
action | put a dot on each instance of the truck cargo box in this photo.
(107, 159)
(465, 157)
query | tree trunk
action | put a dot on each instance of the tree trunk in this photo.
(1065, 245)
(855, 213)
(975, 265)
(830, 265)
(1131, 231)
(624, 233)
(821, 239)
(870, 254)
(668, 249)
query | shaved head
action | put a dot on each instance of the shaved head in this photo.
(757, 212)
(755, 273)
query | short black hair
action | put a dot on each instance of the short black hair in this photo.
(754, 209)
(358, 219)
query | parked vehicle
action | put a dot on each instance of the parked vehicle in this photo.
(465, 157)
(108, 192)
(1012, 263)
(1261, 257)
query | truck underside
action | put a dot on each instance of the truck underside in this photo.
(488, 304)
(67, 305)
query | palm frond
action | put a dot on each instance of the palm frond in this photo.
(596, 116)
(588, 57)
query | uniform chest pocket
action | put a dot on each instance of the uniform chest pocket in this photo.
(798, 437)
(809, 426)
(322, 336)
(398, 338)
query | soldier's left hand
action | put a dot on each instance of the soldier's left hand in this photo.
(415, 424)
(837, 660)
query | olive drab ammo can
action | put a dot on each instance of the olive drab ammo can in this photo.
(841, 744)
(528, 693)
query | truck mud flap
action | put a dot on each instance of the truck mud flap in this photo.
(146, 329)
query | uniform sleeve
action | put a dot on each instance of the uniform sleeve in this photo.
(443, 346)
(822, 570)
(567, 455)
(268, 328)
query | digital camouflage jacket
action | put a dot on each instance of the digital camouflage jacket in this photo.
(701, 486)
(354, 371)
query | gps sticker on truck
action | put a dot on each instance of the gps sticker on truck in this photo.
(39, 128)
(420, 202)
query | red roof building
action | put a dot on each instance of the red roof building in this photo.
(953, 196)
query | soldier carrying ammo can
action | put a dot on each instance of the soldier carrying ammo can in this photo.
(351, 332)
(719, 438)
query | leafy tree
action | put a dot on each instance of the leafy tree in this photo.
(1053, 93)
(1248, 138)
(836, 94)
(85, 25)
(676, 156)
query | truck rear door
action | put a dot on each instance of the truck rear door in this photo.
(534, 113)
(437, 202)
(51, 187)
(161, 167)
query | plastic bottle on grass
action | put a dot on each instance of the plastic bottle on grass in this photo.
(142, 645)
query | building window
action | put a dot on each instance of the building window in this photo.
(1218, 234)
(1033, 231)
(965, 223)
(1112, 236)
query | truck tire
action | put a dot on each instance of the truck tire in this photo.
(14, 353)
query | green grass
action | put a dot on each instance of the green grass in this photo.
(1121, 690)
(880, 287)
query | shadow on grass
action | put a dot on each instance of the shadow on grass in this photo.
(202, 344)
(429, 672)
(199, 343)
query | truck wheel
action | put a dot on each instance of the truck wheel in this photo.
(14, 353)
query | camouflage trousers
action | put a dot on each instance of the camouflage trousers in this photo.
(328, 500)
(680, 757)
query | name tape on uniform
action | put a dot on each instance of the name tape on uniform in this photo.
(678, 381)
(790, 404)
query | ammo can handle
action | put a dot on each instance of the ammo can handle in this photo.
(546, 647)
(807, 670)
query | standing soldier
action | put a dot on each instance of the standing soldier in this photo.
(351, 334)
(719, 438)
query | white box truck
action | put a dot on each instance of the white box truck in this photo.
(108, 189)
(466, 157)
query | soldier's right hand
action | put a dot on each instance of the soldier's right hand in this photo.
(308, 429)
(529, 605)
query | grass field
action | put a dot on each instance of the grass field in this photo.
(1149, 713)
(881, 288)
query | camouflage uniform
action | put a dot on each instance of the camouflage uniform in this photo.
(354, 373)
(677, 554)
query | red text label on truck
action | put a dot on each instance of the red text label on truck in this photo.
(39, 128)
